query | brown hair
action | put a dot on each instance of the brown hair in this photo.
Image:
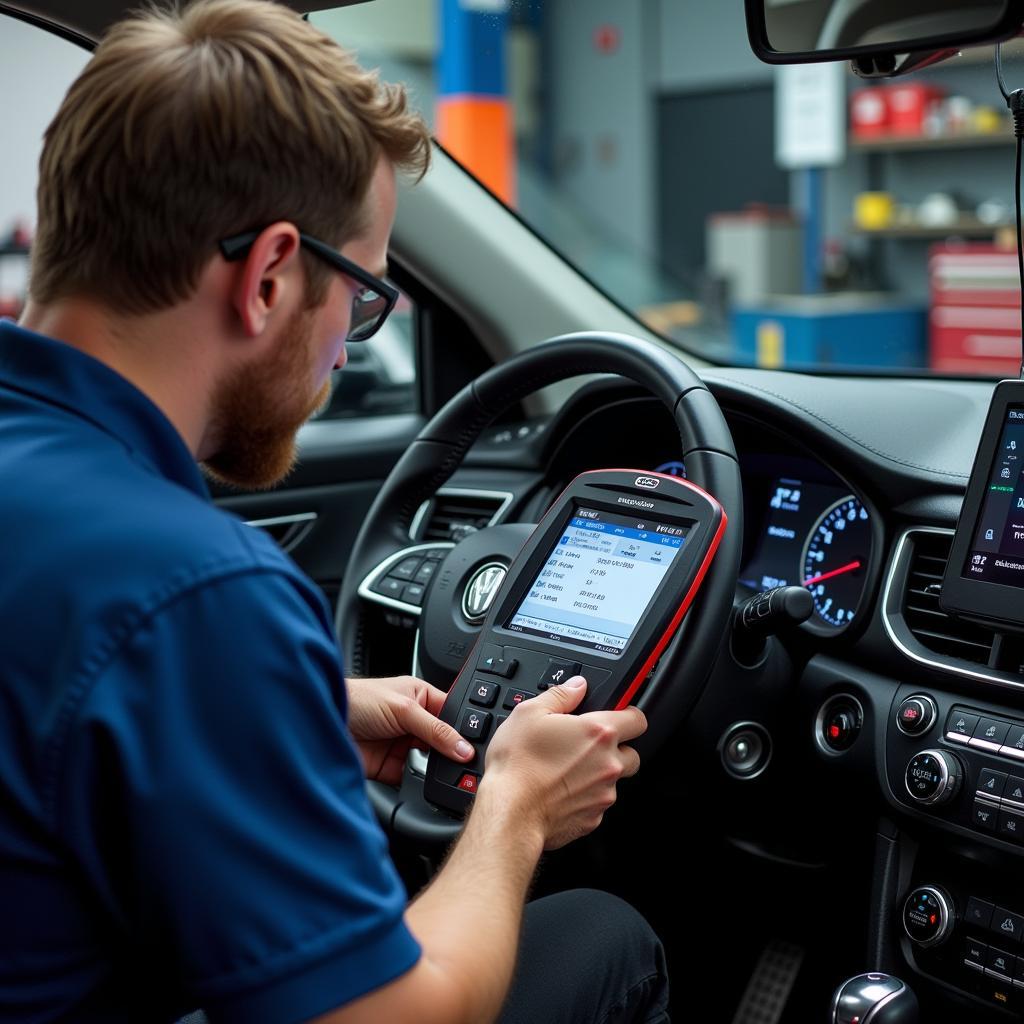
(189, 126)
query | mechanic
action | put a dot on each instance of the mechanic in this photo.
(183, 815)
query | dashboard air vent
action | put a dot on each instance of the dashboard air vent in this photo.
(930, 625)
(452, 514)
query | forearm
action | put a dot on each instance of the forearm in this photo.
(468, 919)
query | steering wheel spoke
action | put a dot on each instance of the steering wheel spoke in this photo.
(401, 580)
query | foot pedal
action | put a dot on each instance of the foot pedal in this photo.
(770, 985)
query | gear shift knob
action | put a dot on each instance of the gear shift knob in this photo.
(874, 999)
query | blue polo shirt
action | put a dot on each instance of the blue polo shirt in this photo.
(183, 817)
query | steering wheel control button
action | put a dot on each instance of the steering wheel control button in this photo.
(468, 782)
(475, 724)
(413, 593)
(928, 916)
(985, 816)
(989, 734)
(1010, 927)
(406, 568)
(1000, 964)
(933, 777)
(960, 726)
(745, 749)
(483, 694)
(426, 571)
(389, 587)
(1011, 826)
(513, 698)
(991, 784)
(557, 673)
(1014, 791)
(915, 715)
(975, 954)
(979, 913)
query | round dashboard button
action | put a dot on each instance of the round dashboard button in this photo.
(915, 715)
(928, 916)
(839, 723)
(933, 777)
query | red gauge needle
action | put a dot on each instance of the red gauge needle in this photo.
(849, 567)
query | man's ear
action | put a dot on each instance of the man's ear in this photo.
(267, 276)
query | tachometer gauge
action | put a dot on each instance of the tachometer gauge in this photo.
(674, 468)
(835, 558)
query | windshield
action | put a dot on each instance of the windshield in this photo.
(792, 217)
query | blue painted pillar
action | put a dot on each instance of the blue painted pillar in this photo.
(813, 189)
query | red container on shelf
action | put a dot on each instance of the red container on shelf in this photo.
(974, 322)
(869, 113)
(909, 104)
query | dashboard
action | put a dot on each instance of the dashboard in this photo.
(879, 700)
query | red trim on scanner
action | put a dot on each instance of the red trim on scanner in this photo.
(683, 608)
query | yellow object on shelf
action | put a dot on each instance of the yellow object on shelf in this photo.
(771, 344)
(987, 120)
(873, 210)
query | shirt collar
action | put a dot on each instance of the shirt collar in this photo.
(66, 377)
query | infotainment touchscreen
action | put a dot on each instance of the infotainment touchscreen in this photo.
(996, 554)
(598, 580)
(984, 576)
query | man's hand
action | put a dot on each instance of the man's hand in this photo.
(387, 717)
(563, 768)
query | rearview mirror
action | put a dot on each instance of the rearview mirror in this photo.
(805, 31)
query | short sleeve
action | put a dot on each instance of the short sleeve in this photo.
(212, 795)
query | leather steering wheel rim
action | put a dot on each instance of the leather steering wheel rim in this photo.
(711, 463)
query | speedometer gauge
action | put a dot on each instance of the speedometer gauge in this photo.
(835, 558)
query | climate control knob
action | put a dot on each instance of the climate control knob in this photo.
(933, 777)
(928, 916)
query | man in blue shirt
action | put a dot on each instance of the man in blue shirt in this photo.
(183, 819)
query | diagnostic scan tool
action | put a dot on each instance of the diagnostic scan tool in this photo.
(598, 589)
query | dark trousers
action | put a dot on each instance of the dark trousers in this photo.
(587, 958)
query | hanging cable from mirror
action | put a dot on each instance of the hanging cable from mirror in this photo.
(1015, 101)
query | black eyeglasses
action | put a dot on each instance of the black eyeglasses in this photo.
(371, 304)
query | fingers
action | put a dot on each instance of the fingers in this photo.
(435, 698)
(630, 761)
(562, 699)
(420, 724)
(629, 723)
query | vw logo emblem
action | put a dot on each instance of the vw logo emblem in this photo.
(480, 591)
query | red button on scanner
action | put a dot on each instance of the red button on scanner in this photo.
(469, 782)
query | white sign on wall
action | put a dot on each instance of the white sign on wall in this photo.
(810, 115)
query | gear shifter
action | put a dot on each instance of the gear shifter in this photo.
(874, 999)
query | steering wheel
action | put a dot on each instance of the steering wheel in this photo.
(445, 635)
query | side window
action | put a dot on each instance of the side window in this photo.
(36, 69)
(379, 377)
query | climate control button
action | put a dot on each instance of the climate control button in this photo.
(933, 777)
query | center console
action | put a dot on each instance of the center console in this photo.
(957, 766)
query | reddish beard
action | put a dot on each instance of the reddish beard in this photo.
(258, 412)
